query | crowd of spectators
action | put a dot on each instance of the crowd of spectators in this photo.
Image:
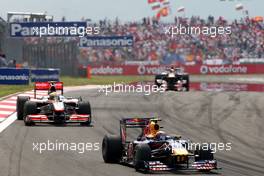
(152, 44)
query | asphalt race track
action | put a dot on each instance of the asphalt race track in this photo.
(235, 117)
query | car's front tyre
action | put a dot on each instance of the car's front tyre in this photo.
(142, 154)
(30, 108)
(21, 100)
(112, 148)
(85, 108)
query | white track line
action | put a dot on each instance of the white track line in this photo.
(7, 107)
(13, 98)
(38, 92)
(6, 112)
(24, 94)
(8, 101)
(8, 121)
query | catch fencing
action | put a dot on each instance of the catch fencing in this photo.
(52, 55)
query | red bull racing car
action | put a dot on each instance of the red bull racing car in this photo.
(153, 150)
(53, 108)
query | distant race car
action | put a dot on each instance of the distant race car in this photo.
(173, 79)
(53, 107)
(152, 150)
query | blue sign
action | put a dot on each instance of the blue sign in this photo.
(106, 41)
(14, 76)
(39, 29)
(44, 75)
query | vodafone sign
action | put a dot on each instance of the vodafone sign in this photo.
(127, 70)
(230, 69)
(196, 69)
(107, 70)
(150, 70)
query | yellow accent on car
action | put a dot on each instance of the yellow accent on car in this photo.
(180, 151)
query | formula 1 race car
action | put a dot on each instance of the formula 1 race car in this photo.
(53, 107)
(173, 79)
(153, 150)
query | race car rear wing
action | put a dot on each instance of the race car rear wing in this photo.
(134, 123)
(48, 86)
(137, 122)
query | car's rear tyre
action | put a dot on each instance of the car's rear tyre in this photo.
(143, 153)
(112, 149)
(85, 108)
(21, 100)
(187, 85)
(201, 154)
(30, 108)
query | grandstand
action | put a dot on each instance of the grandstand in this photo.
(153, 45)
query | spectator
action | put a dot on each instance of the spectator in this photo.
(3, 62)
(12, 63)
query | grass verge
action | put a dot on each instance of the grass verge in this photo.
(11, 89)
(72, 81)
(103, 80)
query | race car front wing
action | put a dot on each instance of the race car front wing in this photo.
(74, 118)
(206, 165)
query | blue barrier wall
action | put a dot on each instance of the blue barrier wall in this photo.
(14, 76)
(44, 75)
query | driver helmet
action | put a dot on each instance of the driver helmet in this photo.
(52, 88)
(171, 69)
(153, 129)
(52, 96)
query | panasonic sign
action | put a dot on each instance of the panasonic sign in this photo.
(39, 29)
(106, 41)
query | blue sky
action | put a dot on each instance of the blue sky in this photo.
(128, 10)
